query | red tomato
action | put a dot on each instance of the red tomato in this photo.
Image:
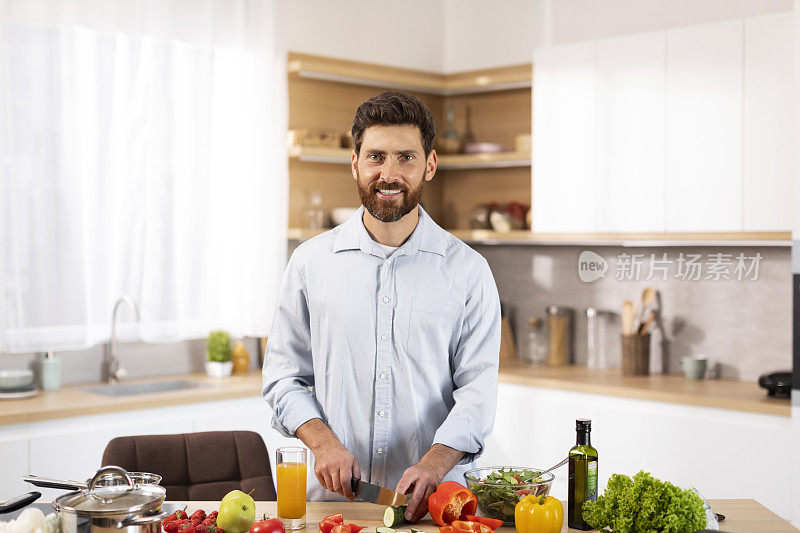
(325, 526)
(342, 528)
(461, 526)
(273, 525)
(335, 518)
(446, 529)
(354, 528)
(493, 523)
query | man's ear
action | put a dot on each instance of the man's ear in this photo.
(354, 164)
(430, 165)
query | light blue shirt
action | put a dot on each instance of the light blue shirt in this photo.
(393, 354)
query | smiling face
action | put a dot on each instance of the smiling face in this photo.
(391, 170)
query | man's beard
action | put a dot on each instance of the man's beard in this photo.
(389, 210)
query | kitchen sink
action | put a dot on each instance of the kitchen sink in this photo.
(132, 389)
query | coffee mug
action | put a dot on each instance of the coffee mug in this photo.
(694, 366)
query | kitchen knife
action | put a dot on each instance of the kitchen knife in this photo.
(368, 492)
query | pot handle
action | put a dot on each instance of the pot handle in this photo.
(53, 483)
(111, 469)
(144, 519)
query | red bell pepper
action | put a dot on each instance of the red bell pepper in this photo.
(451, 501)
(493, 523)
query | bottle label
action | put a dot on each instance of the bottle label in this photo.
(591, 481)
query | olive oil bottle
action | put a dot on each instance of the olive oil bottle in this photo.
(582, 475)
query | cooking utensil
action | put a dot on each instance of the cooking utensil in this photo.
(108, 479)
(19, 502)
(561, 463)
(376, 494)
(628, 317)
(646, 324)
(127, 508)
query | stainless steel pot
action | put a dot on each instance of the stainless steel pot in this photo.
(124, 508)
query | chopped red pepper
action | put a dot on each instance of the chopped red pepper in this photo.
(451, 501)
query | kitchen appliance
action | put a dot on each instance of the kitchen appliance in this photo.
(376, 494)
(778, 384)
(127, 508)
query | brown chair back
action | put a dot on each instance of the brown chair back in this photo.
(198, 466)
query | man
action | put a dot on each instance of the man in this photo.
(392, 321)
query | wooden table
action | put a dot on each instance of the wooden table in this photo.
(742, 516)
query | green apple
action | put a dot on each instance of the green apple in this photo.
(237, 512)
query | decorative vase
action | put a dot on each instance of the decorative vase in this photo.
(216, 369)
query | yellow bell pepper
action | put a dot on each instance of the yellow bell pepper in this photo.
(539, 514)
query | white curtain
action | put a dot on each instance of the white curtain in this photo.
(142, 151)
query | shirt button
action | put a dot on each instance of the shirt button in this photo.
(381, 413)
(386, 299)
(379, 450)
(383, 375)
(384, 337)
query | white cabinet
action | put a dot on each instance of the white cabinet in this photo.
(631, 78)
(684, 130)
(704, 127)
(14, 460)
(687, 445)
(769, 141)
(565, 187)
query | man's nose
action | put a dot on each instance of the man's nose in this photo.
(390, 170)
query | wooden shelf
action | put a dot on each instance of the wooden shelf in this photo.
(374, 75)
(526, 237)
(446, 162)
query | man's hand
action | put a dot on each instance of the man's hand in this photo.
(423, 478)
(334, 465)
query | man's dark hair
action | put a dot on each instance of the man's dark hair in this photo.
(391, 108)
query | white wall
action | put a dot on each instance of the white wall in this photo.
(480, 34)
(403, 34)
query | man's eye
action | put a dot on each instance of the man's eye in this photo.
(374, 157)
(406, 157)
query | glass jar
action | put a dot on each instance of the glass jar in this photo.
(537, 345)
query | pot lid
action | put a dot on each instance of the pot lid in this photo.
(112, 500)
(116, 499)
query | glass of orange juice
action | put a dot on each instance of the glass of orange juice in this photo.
(290, 469)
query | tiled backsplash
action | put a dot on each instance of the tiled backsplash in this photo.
(743, 327)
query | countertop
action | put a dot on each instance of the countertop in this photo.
(740, 516)
(73, 401)
(717, 393)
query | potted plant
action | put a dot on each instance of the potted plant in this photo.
(219, 364)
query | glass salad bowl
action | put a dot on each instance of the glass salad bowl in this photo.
(500, 488)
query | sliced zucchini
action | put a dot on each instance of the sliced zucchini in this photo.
(393, 516)
(415, 530)
(384, 529)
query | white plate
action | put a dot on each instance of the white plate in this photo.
(18, 395)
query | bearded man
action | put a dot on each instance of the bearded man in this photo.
(383, 354)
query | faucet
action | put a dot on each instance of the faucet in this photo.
(113, 372)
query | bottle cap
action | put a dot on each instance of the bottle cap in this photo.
(583, 424)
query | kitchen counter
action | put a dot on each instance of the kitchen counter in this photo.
(73, 401)
(716, 393)
(741, 516)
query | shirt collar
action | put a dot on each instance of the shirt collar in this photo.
(427, 236)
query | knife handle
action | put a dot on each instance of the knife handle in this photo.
(354, 484)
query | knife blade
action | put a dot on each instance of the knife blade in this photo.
(368, 492)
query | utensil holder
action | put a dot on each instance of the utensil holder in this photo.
(635, 354)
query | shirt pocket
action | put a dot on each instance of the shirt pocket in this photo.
(430, 329)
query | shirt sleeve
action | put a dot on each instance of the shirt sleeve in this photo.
(288, 371)
(475, 365)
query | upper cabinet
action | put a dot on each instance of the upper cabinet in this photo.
(564, 138)
(684, 130)
(769, 142)
(704, 127)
